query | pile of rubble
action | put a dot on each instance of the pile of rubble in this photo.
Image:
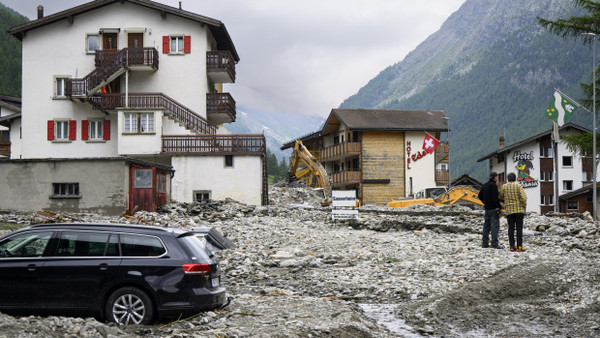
(295, 272)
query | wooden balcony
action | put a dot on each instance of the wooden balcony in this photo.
(340, 151)
(179, 112)
(222, 144)
(345, 177)
(109, 66)
(220, 66)
(441, 176)
(5, 148)
(441, 152)
(220, 108)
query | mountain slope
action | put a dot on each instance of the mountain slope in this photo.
(10, 52)
(492, 69)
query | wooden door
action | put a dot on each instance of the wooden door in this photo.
(110, 41)
(142, 184)
(135, 43)
(135, 40)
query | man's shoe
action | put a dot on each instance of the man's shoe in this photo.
(520, 249)
(485, 246)
(513, 249)
(497, 247)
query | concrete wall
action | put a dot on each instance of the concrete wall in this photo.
(27, 185)
(242, 182)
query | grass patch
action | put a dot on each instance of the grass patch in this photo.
(393, 260)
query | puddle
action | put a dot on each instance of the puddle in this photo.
(384, 315)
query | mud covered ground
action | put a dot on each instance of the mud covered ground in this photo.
(296, 273)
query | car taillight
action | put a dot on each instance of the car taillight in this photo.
(196, 269)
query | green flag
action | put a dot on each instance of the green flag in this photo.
(560, 109)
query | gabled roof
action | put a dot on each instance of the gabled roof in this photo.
(7, 120)
(216, 27)
(465, 179)
(520, 143)
(389, 120)
(304, 138)
(580, 191)
(11, 102)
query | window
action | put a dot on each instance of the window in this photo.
(200, 196)
(501, 177)
(589, 198)
(142, 178)
(162, 184)
(61, 130)
(542, 175)
(80, 243)
(60, 86)
(542, 199)
(141, 246)
(138, 123)
(95, 129)
(551, 199)
(567, 161)
(567, 185)
(550, 176)
(585, 176)
(500, 158)
(541, 151)
(29, 244)
(229, 161)
(65, 189)
(177, 44)
(572, 205)
(92, 43)
(549, 153)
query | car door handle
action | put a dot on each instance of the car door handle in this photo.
(103, 266)
(31, 267)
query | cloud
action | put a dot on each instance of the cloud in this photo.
(306, 56)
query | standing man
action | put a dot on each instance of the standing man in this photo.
(489, 196)
(515, 203)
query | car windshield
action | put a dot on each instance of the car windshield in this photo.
(198, 247)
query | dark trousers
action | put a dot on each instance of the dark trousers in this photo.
(515, 222)
(491, 224)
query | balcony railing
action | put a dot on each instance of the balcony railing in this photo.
(5, 148)
(240, 144)
(340, 151)
(180, 113)
(345, 177)
(111, 65)
(441, 176)
(220, 66)
(220, 108)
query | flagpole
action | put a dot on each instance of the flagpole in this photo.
(594, 197)
(570, 99)
(555, 163)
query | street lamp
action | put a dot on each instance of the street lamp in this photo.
(448, 140)
(593, 37)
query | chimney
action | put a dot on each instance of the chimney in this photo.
(40, 9)
(180, 5)
(501, 141)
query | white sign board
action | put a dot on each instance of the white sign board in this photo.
(343, 198)
(344, 214)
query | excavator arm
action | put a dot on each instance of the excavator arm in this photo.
(458, 193)
(301, 155)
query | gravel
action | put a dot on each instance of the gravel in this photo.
(415, 271)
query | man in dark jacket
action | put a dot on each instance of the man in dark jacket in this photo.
(489, 196)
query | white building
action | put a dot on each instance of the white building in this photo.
(139, 80)
(10, 109)
(537, 169)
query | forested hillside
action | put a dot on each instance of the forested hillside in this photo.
(493, 70)
(10, 53)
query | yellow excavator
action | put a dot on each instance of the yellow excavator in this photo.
(311, 171)
(455, 194)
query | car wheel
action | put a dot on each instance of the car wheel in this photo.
(129, 305)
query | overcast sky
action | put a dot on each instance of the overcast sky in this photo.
(305, 56)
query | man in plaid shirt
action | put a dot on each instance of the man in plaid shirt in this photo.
(515, 203)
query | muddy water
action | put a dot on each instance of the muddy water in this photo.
(384, 315)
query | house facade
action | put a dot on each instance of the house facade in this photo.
(143, 81)
(378, 153)
(538, 168)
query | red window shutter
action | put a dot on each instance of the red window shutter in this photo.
(166, 45)
(84, 130)
(187, 44)
(106, 130)
(72, 130)
(50, 130)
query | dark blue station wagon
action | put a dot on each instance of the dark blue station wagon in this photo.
(123, 273)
